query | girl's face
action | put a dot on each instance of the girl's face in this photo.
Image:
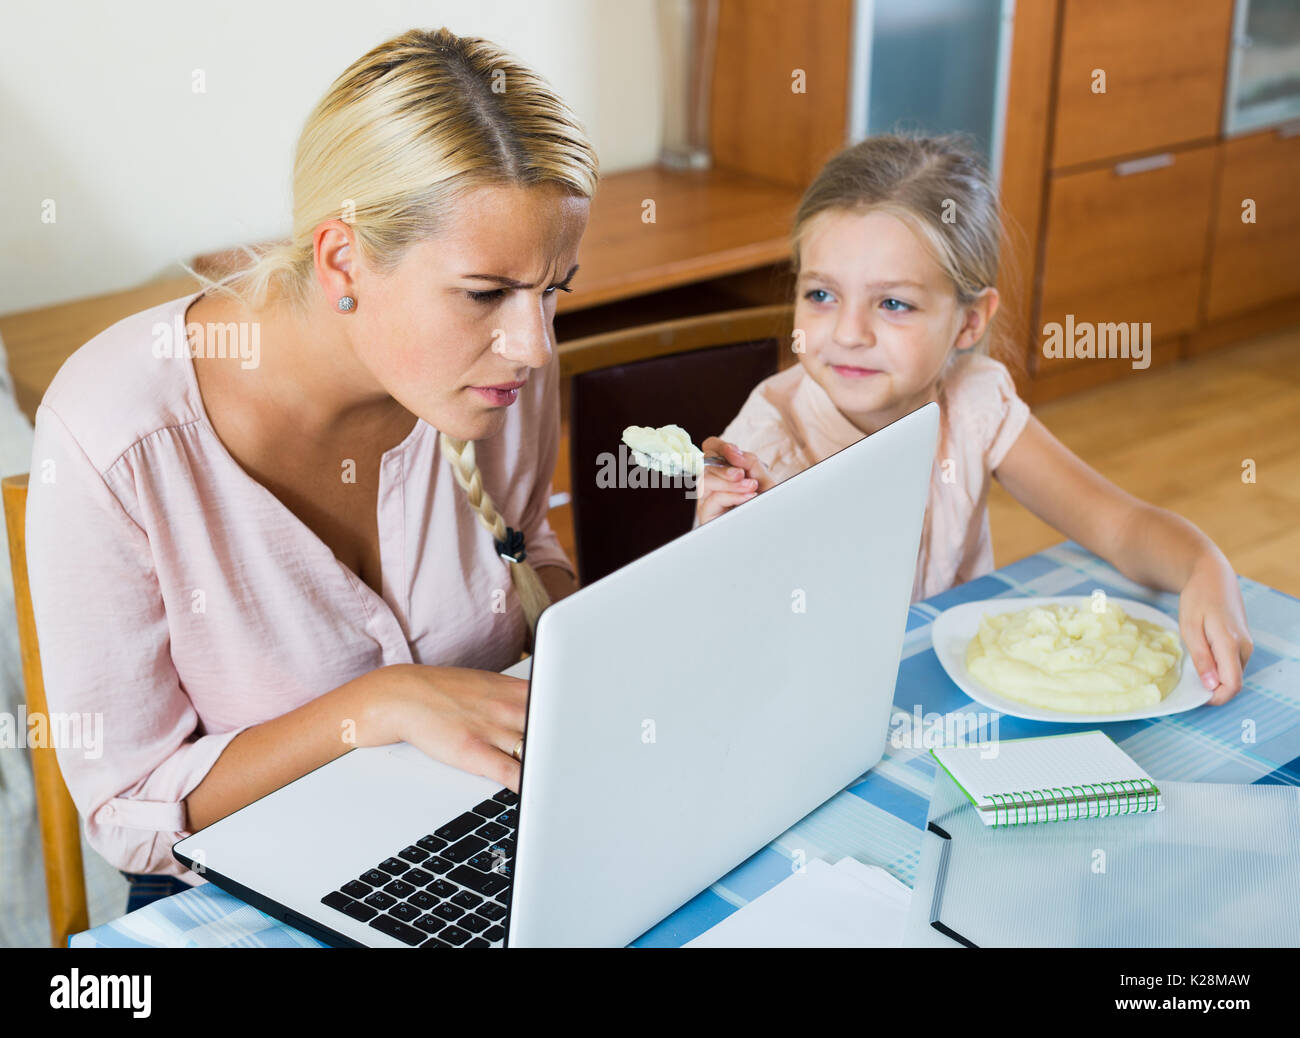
(472, 309)
(879, 315)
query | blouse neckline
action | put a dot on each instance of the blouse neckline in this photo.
(374, 603)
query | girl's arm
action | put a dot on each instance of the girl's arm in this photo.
(1149, 545)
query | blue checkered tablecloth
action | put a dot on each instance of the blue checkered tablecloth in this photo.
(878, 819)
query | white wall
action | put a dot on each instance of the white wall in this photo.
(97, 112)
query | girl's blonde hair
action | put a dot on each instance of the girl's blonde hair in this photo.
(393, 146)
(936, 185)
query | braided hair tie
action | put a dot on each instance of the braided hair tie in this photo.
(511, 548)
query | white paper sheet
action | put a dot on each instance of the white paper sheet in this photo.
(845, 905)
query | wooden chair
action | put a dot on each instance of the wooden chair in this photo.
(65, 877)
(695, 372)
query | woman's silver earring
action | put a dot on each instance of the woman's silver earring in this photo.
(347, 303)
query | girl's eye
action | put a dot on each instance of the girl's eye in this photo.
(562, 288)
(899, 308)
(814, 292)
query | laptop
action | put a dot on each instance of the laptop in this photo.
(683, 712)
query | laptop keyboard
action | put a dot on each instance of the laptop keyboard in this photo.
(448, 889)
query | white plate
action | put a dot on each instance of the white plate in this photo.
(954, 628)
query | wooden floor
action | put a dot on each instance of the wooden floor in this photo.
(1176, 437)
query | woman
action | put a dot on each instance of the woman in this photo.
(250, 564)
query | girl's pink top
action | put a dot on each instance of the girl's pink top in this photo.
(791, 424)
(177, 599)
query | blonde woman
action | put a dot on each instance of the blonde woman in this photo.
(248, 561)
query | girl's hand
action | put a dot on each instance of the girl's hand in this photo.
(1212, 622)
(721, 489)
(470, 719)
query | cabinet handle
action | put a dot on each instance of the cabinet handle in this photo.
(1125, 169)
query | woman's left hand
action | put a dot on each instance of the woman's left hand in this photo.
(1212, 622)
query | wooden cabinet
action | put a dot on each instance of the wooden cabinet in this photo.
(1164, 63)
(1256, 263)
(1126, 243)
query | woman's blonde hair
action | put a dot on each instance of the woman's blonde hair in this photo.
(393, 146)
(937, 186)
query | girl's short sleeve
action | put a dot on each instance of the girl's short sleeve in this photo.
(761, 429)
(985, 406)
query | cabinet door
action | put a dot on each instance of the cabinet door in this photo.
(1254, 263)
(1127, 244)
(1164, 63)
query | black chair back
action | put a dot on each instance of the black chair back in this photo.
(700, 390)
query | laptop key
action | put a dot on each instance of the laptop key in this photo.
(418, 877)
(472, 922)
(394, 866)
(441, 887)
(489, 862)
(509, 818)
(484, 883)
(434, 942)
(447, 910)
(490, 910)
(375, 878)
(438, 865)
(337, 900)
(432, 843)
(413, 854)
(361, 913)
(464, 848)
(507, 797)
(406, 913)
(422, 899)
(491, 831)
(430, 923)
(396, 928)
(494, 933)
(379, 900)
(488, 809)
(478, 942)
(399, 888)
(454, 935)
(356, 889)
(459, 826)
(466, 900)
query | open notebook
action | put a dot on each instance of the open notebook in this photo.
(1050, 779)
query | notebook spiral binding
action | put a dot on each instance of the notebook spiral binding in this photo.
(1061, 803)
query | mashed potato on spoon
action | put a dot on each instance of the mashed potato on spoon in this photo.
(1075, 659)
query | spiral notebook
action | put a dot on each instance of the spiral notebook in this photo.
(1052, 778)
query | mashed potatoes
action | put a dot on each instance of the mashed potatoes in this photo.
(1075, 659)
(668, 448)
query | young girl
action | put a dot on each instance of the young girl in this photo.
(896, 255)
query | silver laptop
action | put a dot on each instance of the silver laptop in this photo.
(683, 712)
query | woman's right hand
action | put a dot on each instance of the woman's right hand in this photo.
(720, 489)
(470, 719)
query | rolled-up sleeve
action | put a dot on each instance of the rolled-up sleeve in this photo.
(132, 747)
(540, 543)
